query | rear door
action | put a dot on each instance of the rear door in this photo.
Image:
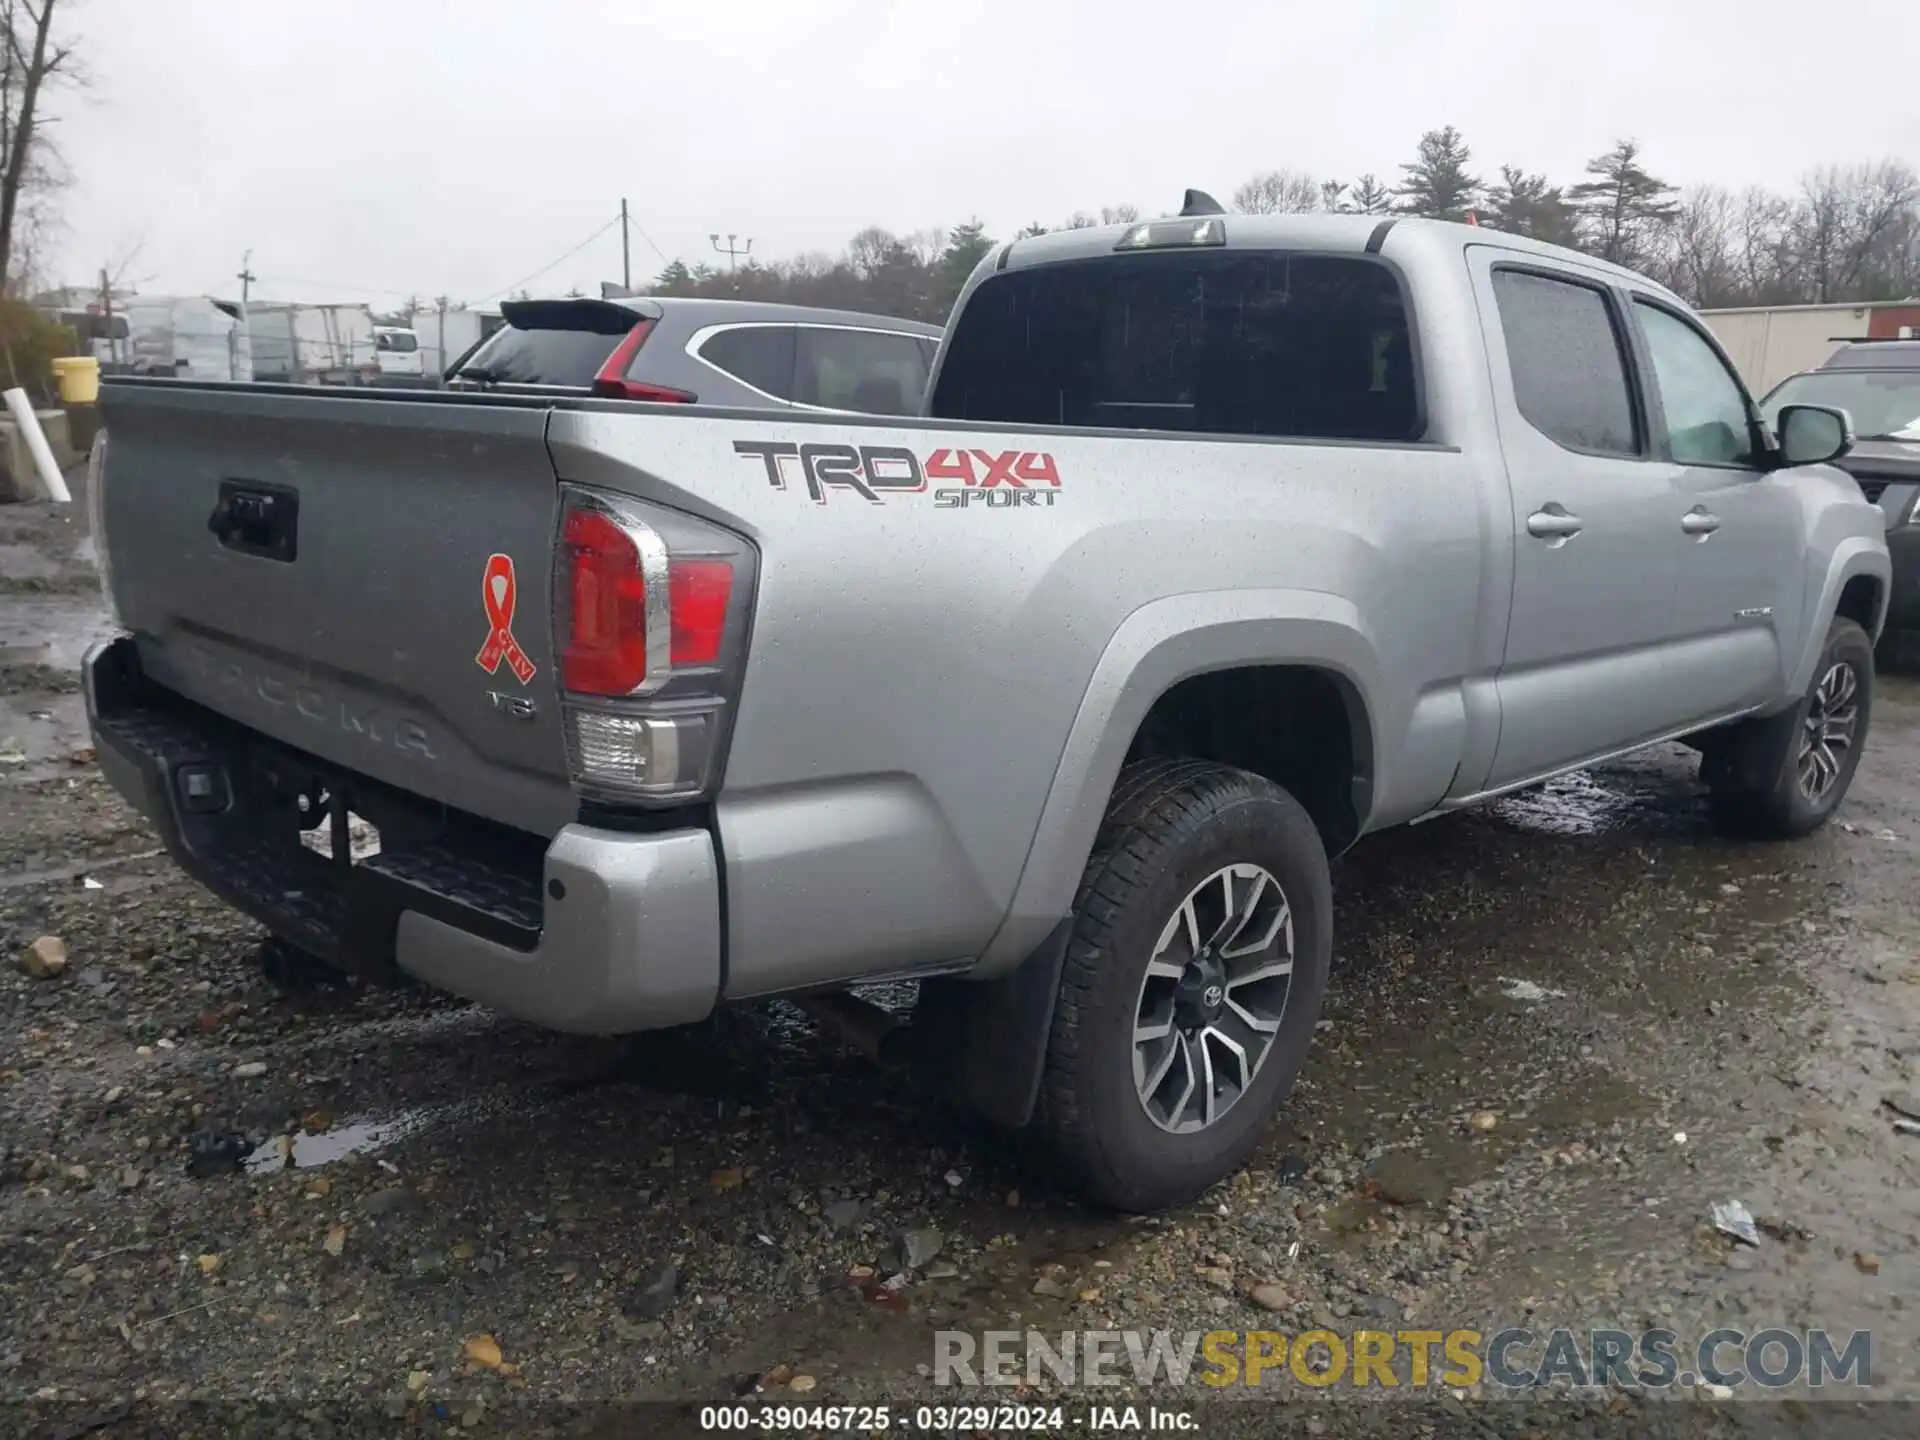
(752, 358)
(1595, 539)
(1740, 584)
(366, 578)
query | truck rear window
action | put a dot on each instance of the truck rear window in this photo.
(1223, 343)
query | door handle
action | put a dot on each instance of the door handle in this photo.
(1552, 524)
(1700, 521)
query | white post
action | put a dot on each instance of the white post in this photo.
(51, 480)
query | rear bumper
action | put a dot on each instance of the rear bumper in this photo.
(596, 932)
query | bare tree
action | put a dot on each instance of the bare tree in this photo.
(1762, 253)
(1119, 214)
(1696, 253)
(1278, 192)
(1845, 220)
(30, 60)
(925, 245)
(870, 250)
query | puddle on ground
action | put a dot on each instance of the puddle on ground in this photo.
(303, 1151)
(52, 630)
(26, 562)
(1598, 802)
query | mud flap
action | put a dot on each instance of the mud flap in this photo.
(983, 1043)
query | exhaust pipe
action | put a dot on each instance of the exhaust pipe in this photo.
(878, 1034)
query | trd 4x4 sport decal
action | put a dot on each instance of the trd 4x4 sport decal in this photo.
(1004, 479)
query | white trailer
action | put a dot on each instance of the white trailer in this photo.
(447, 335)
(312, 344)
(191, 336)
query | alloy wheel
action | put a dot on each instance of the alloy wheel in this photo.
(1829, 732)
(1212, 998)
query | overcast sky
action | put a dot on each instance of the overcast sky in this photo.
(370, 149)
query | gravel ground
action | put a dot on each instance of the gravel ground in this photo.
(1560, 1030)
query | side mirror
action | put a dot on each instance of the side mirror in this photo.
(1813, 434)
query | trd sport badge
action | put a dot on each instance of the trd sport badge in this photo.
(497, 593)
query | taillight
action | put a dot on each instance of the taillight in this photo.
(699, 590)
(612, 382)
(604, 649)
(650, 613)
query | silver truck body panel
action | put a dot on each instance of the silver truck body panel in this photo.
(939, 695)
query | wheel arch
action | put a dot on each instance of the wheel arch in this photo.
(1856, 586)
(1207, 647)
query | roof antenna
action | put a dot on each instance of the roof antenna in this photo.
(1198, 202)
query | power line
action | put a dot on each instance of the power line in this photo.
(650, 245)
(558, 260)
(334, 285)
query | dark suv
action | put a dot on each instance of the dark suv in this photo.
(738, 353)
(1877, 382)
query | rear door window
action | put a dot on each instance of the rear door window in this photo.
(1224, 343)
(1569, 371)
(875, 372)
(541, 357)
(756, 355)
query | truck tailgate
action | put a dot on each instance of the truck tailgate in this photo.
(342, 572)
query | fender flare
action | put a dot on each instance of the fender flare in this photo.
(1853, 557)
(1155, 648)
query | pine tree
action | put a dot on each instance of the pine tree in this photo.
(675, 278)
(1623, 206)
(1523, 204)
(967, 245)
(1369, 196)
(1437, 183)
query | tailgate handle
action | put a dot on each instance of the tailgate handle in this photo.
(254, 519)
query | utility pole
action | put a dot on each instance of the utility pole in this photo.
(626, 254)
(106, 314)
(246, 277)
(732, 251)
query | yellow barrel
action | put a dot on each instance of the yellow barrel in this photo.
(79, 379)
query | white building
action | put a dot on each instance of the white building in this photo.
(1770, 342)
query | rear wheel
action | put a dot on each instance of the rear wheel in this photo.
(1784, 776)
(1193, 978)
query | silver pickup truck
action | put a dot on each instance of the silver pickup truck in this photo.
(1224, 541)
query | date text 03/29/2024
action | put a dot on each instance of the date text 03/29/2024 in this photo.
(945, 1419)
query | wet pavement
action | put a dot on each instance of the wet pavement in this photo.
(1560, 1030)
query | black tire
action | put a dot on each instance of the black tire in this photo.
(1170, 825)
(1753, 772)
